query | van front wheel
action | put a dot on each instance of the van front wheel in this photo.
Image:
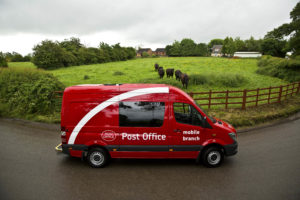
(97, 157)
(212, 157)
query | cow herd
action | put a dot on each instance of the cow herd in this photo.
(184, 78)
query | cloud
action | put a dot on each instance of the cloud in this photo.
(141, 21)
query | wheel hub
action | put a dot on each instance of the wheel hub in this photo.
(96, 158)
(214, 157)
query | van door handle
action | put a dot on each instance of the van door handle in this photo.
(177, 130)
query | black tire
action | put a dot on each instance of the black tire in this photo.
(97, 157)
(212, 157)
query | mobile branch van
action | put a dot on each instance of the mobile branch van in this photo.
(99, 122)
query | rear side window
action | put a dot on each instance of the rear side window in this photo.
(186, 114)
(141, 114)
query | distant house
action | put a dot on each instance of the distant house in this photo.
(216, 51)
(160, 52)
(142, 50)
(247, 54)
(288, 54)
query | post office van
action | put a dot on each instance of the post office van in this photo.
(101, 122)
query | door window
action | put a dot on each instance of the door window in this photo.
(141, 114)
(186, 114)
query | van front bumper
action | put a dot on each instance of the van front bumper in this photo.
(231, 149)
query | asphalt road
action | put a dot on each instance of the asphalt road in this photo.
(267, 166)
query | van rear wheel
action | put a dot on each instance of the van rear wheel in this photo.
(212, 157)
(97, 157)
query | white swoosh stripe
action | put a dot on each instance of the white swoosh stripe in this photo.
(111, 101)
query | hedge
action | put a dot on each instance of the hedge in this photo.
(28, 92)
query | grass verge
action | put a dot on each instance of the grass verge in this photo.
(258, 115)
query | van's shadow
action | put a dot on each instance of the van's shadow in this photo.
(71, 161)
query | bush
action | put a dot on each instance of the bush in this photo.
(86, 77)
(28, 92)
(16, 57)
(225, 79)
(52, 55)
(145, 55)
(231, 80)
(3, 62)
(117, 73)
(198, 79)
(48, 55)
(287, 69)
(221, 80)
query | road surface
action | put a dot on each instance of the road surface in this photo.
(267, 166)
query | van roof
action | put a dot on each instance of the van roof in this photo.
(110, 87)
(120, 88)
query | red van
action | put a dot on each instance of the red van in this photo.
(99, 122)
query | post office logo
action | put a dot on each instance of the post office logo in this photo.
(108, 135)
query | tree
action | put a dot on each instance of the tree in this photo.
(202, 49)
(240, 44)
(290, 30)
(48, 55)
(107, 52)
(119, 52)
(27, 58)
(215, 42)
(16, 57)
(72, 45)
(88, 55)
(228, 46)
(253, 45)
(131, 53)
(168, 50)
(145, 55)
(8, 56)
(273, 47)
(3, 62)
(68, 58)
(175, 49)
(187, 47)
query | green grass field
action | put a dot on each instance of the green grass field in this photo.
(23, 65)
(142, 71)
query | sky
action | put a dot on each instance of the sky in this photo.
(136, 23)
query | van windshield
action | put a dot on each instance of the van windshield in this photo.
(211, 118)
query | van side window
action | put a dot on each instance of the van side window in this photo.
(186, 114)
(141, 114)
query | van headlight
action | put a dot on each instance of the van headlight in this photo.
(233, 136)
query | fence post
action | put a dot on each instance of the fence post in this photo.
(269, 95)
(192, 95)
(209, 98)
(226, 100)
(280, 93)
(298, 88)
(244, 99)
(286, 92)
(257, 94)
(293, 89)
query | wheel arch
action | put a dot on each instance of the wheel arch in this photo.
(93, 146)
(98, 146)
